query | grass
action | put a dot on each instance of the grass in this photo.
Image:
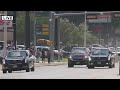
(63, 60)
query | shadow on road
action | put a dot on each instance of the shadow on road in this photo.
(78, 67)
(19, 72)
(102, 68)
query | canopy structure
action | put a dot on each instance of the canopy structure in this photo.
(48, 42)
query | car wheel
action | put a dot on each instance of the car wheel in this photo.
(4, 71)
(70, 65)
(90, 67)
(28, 70)
(110, 66)
(9, 71)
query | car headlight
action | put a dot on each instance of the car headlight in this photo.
(85, 57)
(3, 61)
(25, 60)
(109, 57)
(70, 58)
(89, 58)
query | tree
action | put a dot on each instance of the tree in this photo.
(72, 34)
(20, 24)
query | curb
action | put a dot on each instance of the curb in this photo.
(46, 64)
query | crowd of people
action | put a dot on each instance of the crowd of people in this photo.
(40, 54)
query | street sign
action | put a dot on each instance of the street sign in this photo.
(117, 15)
(45, 33)
(45, 25)
(8, 22)
(91, 17)
(45, 29)
(101, 19)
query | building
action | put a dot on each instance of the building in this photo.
(9, 28)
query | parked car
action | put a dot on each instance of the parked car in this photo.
(118, 51)
(101, 57)
(18, 60)
(21, 47)
(78, 56)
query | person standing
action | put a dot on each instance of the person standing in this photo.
(43, 56)
(38, 55)
(48, 56)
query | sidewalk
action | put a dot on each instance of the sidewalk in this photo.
(51, 64)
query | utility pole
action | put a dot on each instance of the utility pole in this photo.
(85, 29)
(14, 28)
(27, 29)
(58, 42)
(5, 36)
(51, 35)
(34, 30)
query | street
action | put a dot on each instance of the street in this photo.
(63, 72)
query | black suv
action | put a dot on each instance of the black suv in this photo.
(78, 56)
(18, 60)
(101, 57)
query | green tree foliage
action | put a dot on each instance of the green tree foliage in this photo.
(72, 34)
(20, 24)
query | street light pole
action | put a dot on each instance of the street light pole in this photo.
(34, 30)
(14, 26)
(51, 34)
(58, 24)
(85, 29)
(5, 36)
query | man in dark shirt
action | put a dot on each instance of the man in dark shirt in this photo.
(48, 55)
(43, 56)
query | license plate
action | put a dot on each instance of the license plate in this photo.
(77, 62)
(99, 63)
(14, 66)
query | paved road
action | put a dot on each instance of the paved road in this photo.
(63, 72)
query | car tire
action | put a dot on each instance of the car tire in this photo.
(90, 67)
(9, 71)
(70, 65)
(4, 71)
(28, 70)
(110, 66)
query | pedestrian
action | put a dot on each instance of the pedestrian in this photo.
(48, 55)
(43, 56)
(37, 55)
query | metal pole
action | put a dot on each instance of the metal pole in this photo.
(34, 30)
(51, 35)
(14, 26)
(27, 29)
(119, 67)
(58, 24)
(85, 30)
(5, 36)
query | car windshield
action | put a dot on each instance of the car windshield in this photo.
(100, 52)
(78, 51)
(17, 54)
